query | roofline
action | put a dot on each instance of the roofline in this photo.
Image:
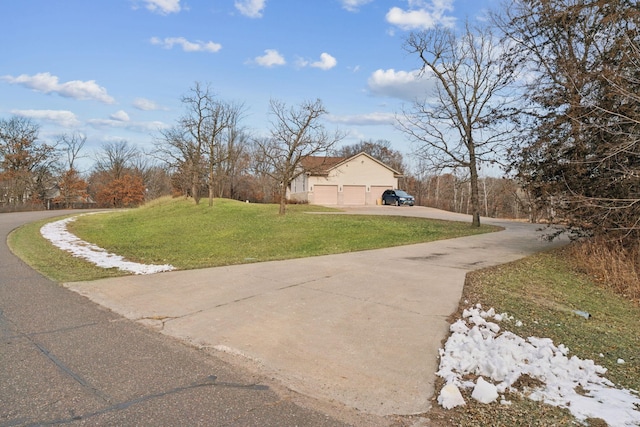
(395, 172)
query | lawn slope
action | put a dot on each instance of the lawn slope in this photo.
(188, 236)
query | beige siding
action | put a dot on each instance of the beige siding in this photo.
(363, 170)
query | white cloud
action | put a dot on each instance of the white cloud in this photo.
(187, 46)
(163, 7)
(326, 62)
(146, 105)
(370, 119)
(271, 58)
(61, 117)
(407, 85)
(120, 115)
(422, 15)
(354, 5)
(116, 123)
(251, 8)
(76, 89)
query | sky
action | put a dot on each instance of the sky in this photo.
(114, 70)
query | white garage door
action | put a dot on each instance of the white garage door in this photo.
(325, 194)
(354, 194)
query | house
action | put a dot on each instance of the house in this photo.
(357, 180)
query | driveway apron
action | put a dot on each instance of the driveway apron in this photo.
(362, 329)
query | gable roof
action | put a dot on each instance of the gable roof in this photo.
(321, 166)
(317, 165)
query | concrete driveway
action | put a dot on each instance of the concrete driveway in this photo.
(361, 329)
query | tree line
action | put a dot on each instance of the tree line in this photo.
(37, 175)
(206, 152)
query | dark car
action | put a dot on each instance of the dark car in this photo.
(397, 198)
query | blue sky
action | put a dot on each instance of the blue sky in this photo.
(116, 69)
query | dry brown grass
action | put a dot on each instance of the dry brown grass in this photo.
(611, 264)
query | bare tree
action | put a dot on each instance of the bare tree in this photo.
(464, 122)
(117, 178)
(222, 135)
(72, 187)
(184, 157)
(232, 158)
(295, 134)
(195, 147)
(117, 159)
(25, 164)
(71, 145)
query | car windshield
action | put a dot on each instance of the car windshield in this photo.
(401, 193)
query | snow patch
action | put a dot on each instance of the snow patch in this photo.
(477, 347)
(450, 397)
(484, 392)
(56, 232)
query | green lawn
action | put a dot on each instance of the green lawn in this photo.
(177, 232)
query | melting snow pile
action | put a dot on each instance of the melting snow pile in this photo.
(477, 347)
(56, 232)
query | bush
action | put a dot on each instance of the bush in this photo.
(610, 263)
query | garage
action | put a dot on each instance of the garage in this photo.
(359, 180)
(377, 190)
(325, 194)
(354, 194)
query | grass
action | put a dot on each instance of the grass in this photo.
(543, 291)
(28, 244)
(177, 232)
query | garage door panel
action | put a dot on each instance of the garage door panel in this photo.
(377, 190)
(325, 194)
(354, 194)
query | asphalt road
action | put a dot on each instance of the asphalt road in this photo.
(65, 360)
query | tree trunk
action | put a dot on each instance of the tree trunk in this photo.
(475, 199)
(486, 197)
(211, 187)
(195, 190)
(283, 200)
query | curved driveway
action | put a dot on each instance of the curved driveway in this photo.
(66, 361)
(362, 329)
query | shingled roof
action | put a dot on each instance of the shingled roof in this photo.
(317, 165)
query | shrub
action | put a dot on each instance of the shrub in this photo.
(611, 263)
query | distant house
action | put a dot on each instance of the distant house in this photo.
(357, 180)
(53, 200)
